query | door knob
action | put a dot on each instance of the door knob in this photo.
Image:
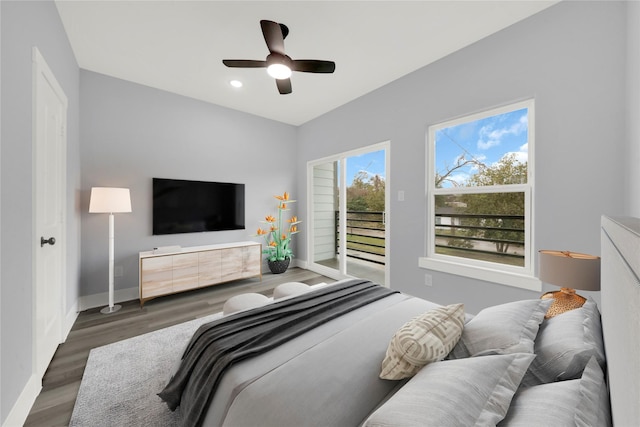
(50, 241)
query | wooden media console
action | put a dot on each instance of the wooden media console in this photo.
(196, 267)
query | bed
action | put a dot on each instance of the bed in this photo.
(384, 358)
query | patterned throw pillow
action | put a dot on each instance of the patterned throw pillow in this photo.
(424, 339)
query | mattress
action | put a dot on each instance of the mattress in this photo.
(335, 366)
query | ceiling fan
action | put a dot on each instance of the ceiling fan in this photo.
(278, 64)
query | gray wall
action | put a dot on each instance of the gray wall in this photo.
(24, 25)
(633, 109)
(571, 59)
(132, 133)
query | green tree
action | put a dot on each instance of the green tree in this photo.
(507, 171)
(461, 162)
(366, 193)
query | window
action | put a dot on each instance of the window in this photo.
(479, 196)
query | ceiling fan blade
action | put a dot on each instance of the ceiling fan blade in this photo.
(273, 36)
(313, 66)
(244, 63)
(285, 30)
(284, 86)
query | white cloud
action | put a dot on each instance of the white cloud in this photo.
(490, 137)
(368, 176)
(459, 178)
(521, 156)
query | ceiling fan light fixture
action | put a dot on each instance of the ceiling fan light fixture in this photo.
(279, 71)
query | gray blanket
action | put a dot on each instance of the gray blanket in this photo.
(218, 345)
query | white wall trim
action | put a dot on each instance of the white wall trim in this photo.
(501, 277)
(69, 320)
(102, 299)
(20, 411)
(299, 263)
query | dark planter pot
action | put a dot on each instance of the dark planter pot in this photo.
(278, 267)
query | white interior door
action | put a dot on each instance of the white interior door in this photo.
(49, 132)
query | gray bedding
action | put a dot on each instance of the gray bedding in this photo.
(329, 376)
(217, 346)
(334, 368)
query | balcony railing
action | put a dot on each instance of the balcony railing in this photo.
(365, 235)
(494, 238)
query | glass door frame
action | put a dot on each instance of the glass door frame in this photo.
(341, 273)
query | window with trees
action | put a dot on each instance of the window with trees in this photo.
(479, 185)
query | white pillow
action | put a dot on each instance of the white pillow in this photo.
(475, 391)
(502, 329)
(426, 338)
(564, 345)
(581, 402)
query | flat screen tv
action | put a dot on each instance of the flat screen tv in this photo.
(181, 206)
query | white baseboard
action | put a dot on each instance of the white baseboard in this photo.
(69, 320)
(299, 263)
(102, 299)
(20, 411)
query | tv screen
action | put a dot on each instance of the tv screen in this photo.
(181, 206)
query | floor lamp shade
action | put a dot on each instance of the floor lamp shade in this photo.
(570, 271)
(110, 200)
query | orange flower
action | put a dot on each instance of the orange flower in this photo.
(273, 243)
(284, 236)
(283, 206)
(285, 196)
(261, 232)
(274, 228)
(269, 218)
(293, 229)
(293, 219)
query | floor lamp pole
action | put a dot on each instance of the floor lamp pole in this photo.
(112, 308)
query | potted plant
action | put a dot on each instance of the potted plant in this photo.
(278, 237)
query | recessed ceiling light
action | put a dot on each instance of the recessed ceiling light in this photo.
(235, 83)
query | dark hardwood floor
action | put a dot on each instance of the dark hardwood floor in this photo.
(61, 382)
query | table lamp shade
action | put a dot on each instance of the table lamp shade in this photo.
(570, 270)
(109, 200)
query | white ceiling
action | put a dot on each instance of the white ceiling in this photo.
(178, 46)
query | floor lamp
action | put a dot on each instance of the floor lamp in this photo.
(110, 200)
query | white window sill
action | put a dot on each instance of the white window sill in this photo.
(516, 280)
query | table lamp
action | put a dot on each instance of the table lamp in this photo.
(110, 200)
(570, 271)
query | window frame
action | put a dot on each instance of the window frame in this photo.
(520, 277)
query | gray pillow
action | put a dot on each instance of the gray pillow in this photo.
(564, 345)
(502, 329)
(465, 392)
(582, 402)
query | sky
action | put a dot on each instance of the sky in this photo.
(486, 140)
(373, 163)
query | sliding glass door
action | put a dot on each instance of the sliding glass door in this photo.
(348, 209)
